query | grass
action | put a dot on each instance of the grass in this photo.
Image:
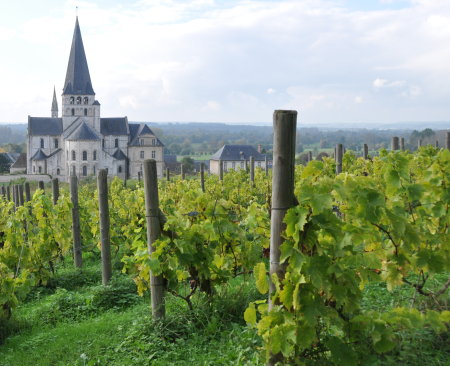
(76, 321)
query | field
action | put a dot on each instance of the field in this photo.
(366, 276)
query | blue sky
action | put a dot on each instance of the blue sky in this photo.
(335, 61)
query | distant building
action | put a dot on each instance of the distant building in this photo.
(170, 161)
(6, 160)
(20, 165)
(235, 157)
(80, 142)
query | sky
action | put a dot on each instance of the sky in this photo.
(360, 62)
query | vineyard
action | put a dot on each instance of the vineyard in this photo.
(381, 224)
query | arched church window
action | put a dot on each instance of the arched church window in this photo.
(40, 169)
(73, 111)
(84, 170)
(42, 143)
(58, 171)
(94, 155)
(86, 100)
(72, 100)
(56, 142)
(78, 100)
(116, 143)
(119, 169)
(84, 155)
(74, 155)
(85, 111)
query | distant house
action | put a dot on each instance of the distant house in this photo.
(235, 157)
(171, 162)
(20, 165)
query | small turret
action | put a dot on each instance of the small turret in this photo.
(54, 105)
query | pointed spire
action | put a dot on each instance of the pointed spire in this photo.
(54, 105)
(78, 80)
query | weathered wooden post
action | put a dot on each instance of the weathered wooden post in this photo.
(310, 156)
(221, 163)
(339, 153)
(15, 195)
(4, 192)
(20, 193)
(284, 132)
(102, 186)
(168, 174)
(202, 176)
(139, 176)
(252, 169)
(55, 190)
(76, 230)
(41, 185)
(153, 233)
(447, 140)
(394, 143)
(419, 143)
(27, 191)
(365, 151)
(266, 165)
(402, 143)
(8, 193)
(183, 174)
(436, 143)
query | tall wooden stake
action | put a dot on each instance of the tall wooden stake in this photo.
(3, 192)
(402, 143)
(8, 193)
(266, 165)
(447, 140)
(394, 143)
(168, 174)
(182, 172)
(41, 185)
(153, 233)
(20, 194)
(436, 143)
(284, 132)
(365, 151)
(102, 186)
(252, 169)
(76, 231)
(339, 153)
(55, 190)
(202, 176)
(27, 192)
(419, 143)
(221, 163)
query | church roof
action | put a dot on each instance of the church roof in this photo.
(39, 155)
(119, 155)
(237, 152)
(114, 126)
(21, 161)
(54, 102)
(41, 126)
(83, 132)
(139, 129)
(78, 80)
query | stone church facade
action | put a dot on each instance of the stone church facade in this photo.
(79, 141)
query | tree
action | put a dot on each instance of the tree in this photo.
(188, 164)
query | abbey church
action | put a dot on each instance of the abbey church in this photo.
(79, 141)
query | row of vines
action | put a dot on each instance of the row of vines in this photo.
(384, 219)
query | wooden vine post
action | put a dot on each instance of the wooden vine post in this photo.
(339, 153)
(402, 143)
(3, 192)
(284, 133)
(437, 143)
(168, 174)
(309, 156)
(266, 165)
(8, 193)
(394, 143)
(20, 193)
(76, 230)
(252, 169)
(55, 190)
(41, 186)
(153, 233)
(202, 176)
(365, 151)
(221, 163)
(102, 186)
(182, 172)
(447, 141)
(27, 192)
(419, 143)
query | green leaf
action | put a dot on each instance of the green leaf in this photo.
(260, 273)
(250, 314)
(341, 353)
